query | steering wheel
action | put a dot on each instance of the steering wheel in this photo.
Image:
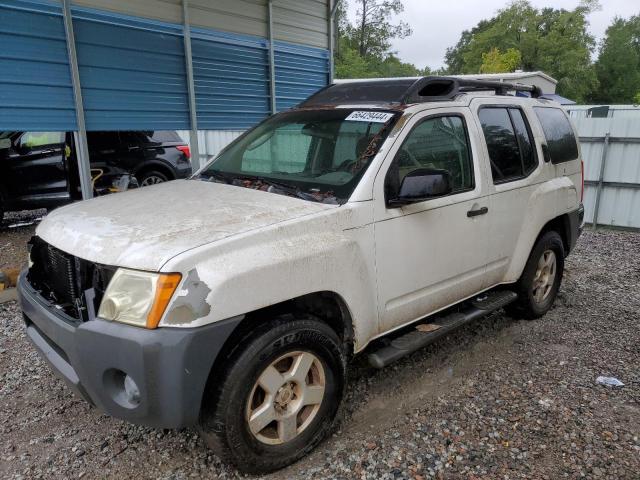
(345, 166)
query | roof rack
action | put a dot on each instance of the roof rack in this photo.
(408, 90)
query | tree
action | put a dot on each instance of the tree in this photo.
(618, 65)
(373, 31)
(496, 62)
(363, 49)
(555, 41)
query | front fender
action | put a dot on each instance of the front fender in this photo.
(246, 273)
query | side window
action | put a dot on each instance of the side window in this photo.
(439, 143)
(525, 141)
(31, 140)
(561, 141)
(509, 142)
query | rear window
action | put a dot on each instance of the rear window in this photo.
(561, 142)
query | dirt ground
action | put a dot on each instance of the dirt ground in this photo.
(501, 398)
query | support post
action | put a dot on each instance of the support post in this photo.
(603, 159)
(193, 114)
(332, 37)
(272, 62)
(80, 136)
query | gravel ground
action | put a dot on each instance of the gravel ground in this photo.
(501, 398)
(15, 230)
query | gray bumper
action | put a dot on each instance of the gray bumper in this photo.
(170, 366)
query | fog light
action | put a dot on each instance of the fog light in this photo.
(131, 390)
(122, 388)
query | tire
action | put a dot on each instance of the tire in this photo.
(152, 177)
(236, 401)
(538, 286)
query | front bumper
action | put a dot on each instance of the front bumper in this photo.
(170, 366)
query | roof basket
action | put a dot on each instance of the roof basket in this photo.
(407, 90)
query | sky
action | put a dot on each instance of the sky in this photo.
(437, 24)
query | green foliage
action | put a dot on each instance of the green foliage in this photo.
(636, 99)
(372, 33)
(552, 40)
(618, 66)
(494, 61)
(364, 48)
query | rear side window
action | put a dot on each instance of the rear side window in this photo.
(509, 142)
(561, 141)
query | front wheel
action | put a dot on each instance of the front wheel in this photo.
(278, 396)
(541, 278)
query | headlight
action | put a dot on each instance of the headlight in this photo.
(138, 298)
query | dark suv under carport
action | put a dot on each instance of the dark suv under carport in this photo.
(39, 169)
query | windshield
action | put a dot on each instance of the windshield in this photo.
(317, 155)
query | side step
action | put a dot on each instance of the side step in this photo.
(427, 333)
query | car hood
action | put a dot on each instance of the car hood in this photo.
(146, 227)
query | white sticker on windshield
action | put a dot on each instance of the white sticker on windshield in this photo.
(364, 116)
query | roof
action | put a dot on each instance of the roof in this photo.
(397, 92)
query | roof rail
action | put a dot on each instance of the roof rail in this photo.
(407, 90)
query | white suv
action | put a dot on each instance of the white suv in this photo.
(234, 300)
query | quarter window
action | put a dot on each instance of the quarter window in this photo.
(438, 143)
(509, 142)
(561, 141)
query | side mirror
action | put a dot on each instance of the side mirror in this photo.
(422, 184)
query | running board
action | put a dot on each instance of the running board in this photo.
(426, 333)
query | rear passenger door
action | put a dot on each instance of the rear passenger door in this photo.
(514, 174)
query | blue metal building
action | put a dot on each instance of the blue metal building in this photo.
(158, 64)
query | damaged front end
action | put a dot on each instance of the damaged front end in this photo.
(75, 286)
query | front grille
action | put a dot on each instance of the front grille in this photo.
(67, 281)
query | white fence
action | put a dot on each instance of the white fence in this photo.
(611, 153)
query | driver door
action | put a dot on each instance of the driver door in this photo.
(431, 254)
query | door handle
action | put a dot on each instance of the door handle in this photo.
(475, 213)
(131, 149)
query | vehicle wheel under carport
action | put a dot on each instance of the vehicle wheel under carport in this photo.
(151, 177)
(277, 396)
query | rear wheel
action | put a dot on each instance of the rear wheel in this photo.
(152, 177)
(540, 281)
(278, 397)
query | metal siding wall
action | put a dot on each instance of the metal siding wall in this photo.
(231, 75)
(164, 10)
(35, 81)
(300, 71)
(303, 22)
(619, 205)
(132, 72)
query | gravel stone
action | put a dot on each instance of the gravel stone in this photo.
(501, 398)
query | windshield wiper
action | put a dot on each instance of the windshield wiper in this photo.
(287, 189)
